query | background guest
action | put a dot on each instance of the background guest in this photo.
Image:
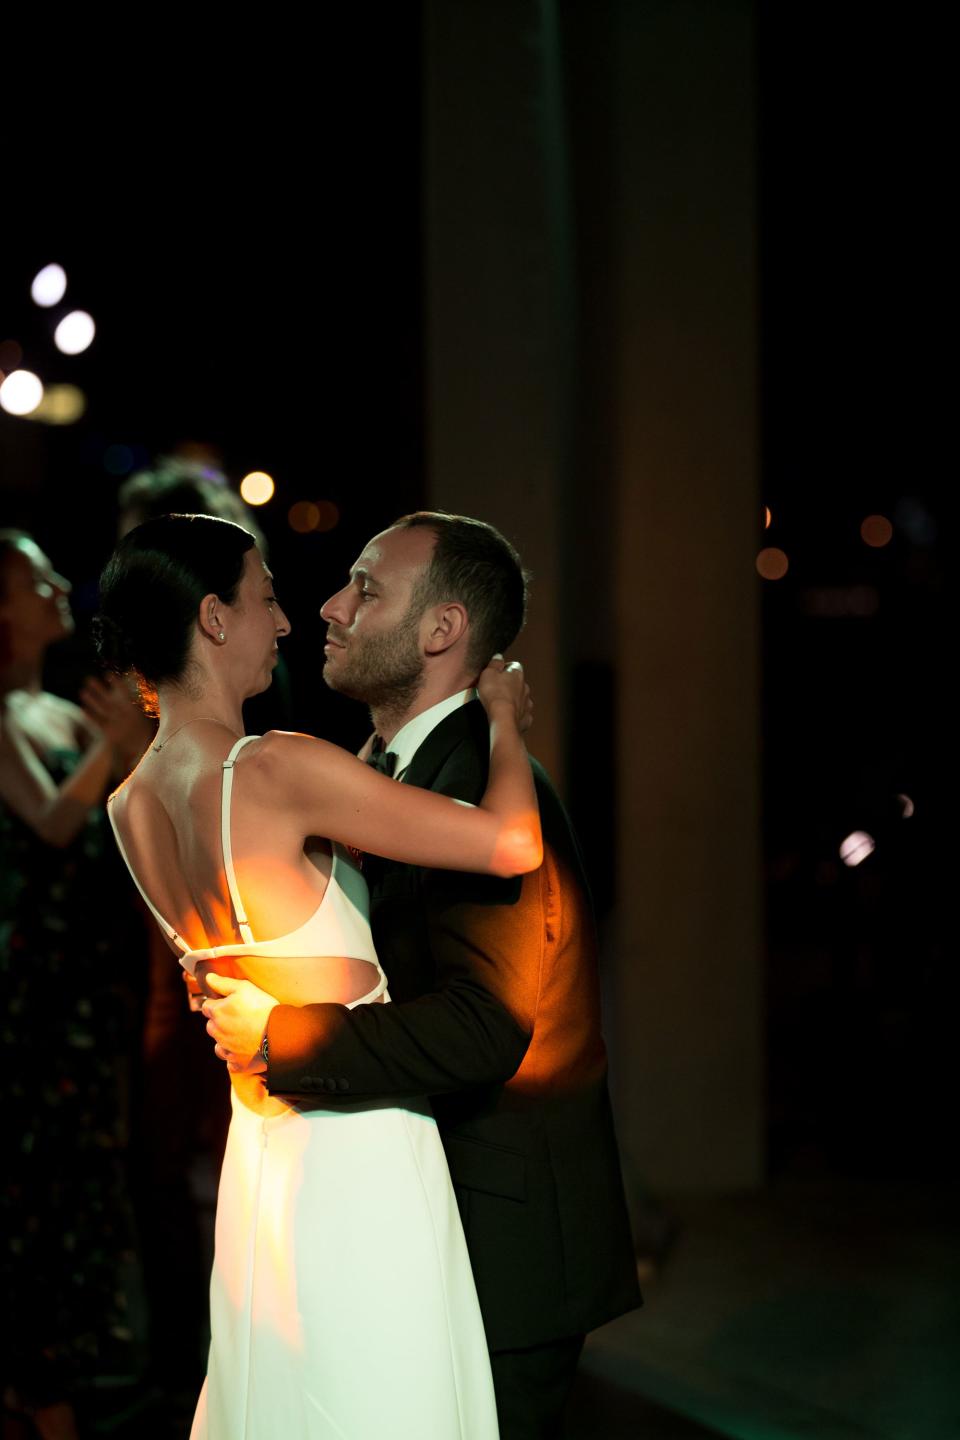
(72, 970)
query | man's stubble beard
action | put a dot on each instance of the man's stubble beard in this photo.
(384, 672)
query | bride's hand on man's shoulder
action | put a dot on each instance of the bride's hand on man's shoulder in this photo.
(503, 683)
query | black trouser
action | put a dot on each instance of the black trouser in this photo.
(532, 1386)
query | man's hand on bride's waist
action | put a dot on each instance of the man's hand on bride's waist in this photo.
(237, 1021)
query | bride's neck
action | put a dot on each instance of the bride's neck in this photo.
(180, 703)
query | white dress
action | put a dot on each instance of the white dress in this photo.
(342, 1303)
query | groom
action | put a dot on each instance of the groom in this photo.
(496, 1004)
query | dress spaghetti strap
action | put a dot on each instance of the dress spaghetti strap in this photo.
(226, 797)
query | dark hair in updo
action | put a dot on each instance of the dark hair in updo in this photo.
(151, 588)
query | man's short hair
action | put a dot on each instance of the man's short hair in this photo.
(474, 564)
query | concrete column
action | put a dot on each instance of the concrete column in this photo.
(688, 979)
(493, 439)
(590, 287)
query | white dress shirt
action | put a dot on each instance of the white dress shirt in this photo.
(411, 736)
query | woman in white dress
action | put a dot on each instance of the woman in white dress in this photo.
(342, 1301)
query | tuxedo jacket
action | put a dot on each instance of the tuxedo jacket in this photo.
(496, 1016)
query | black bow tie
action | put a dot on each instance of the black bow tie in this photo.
(383, 760)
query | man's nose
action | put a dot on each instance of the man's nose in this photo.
(335, 607)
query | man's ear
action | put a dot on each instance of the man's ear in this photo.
(442, 626)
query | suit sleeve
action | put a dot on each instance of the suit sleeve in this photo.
(452, 1040)
(484, 936)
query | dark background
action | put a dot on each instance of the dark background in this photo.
(251, 252)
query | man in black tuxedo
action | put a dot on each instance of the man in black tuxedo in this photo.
(496, 1004)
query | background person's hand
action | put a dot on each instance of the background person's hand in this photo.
(503, 683)
(111, 705)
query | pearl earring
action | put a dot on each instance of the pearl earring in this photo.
(220, 636)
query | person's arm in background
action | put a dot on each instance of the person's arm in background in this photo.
(57, 813)
(111, 711)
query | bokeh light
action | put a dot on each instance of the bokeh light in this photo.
(61, 405)
(307, 516)
(75, 332)
(767, 517)
(49, 285)
(907, 807)
(876, 531)
(857, 847)
(303, 517)
(21, 392)
(772, 564)
(834, 602)
(329, 515)
(257, 487)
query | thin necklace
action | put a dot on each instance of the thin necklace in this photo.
(159, 744)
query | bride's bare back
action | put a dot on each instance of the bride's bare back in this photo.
(168, 815)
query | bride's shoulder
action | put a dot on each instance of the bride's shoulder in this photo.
(282, 754)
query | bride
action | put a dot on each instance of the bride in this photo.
(342, 1301)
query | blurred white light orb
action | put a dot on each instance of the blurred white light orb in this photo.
(257, 487)
(49, 285)
(21, 392)
(75, 332)
(857, 846)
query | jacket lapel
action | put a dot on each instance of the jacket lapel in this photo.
(468, 722)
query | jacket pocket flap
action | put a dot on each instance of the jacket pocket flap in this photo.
(486, 1167)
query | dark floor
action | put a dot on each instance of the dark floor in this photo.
(812, 1310)
(600, 1408)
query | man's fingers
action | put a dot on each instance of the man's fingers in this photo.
(237, 1065)
(221, 984)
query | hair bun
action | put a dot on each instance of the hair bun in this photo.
(114, 647)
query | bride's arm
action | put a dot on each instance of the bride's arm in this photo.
(328, 792)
